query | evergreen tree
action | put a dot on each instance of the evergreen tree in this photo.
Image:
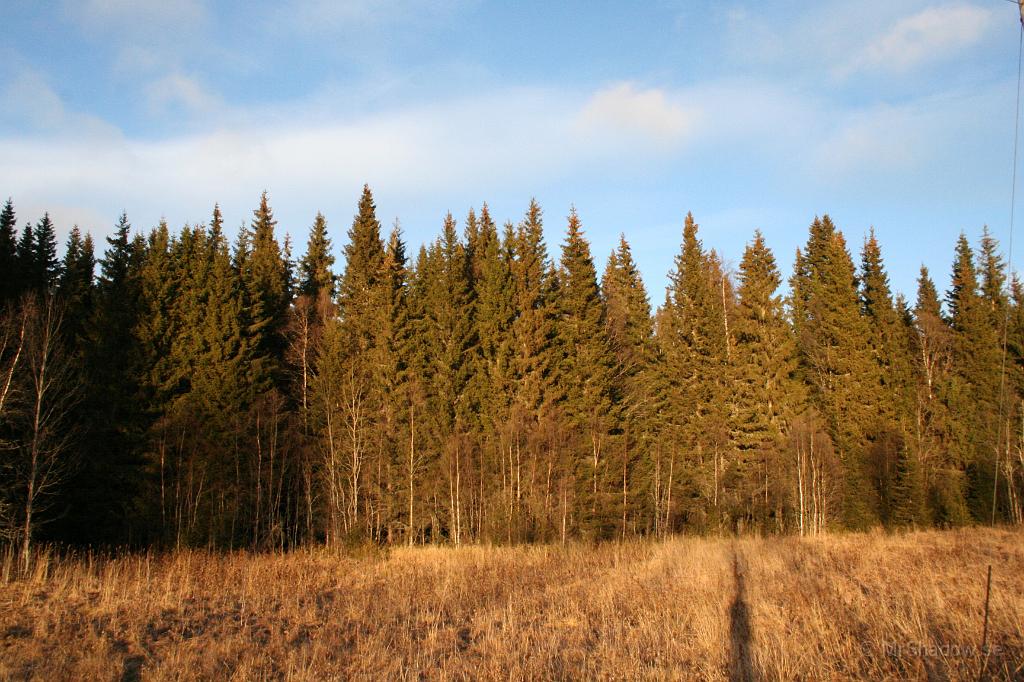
(46, 264)
(449, 337)
(364, 256)
(767, 395)
(695, 341)
(104, 499)
(892, 353)
(585, 375)
(834, 343)
(974, 397)
(10, 287)
(269, 294)
(315, 266)
(630, 331)
(27, 272)
(76, 283)
(533, 326)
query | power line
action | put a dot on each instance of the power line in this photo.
(1006, 312)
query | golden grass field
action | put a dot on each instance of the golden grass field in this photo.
(856, 606)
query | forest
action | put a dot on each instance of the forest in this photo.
(178, 390)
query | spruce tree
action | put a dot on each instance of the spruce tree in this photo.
(492, 380)
(269, 294)
(767, 396)
(834, 343)
(695, 341)
(533, 327)
(585, 375)
(105, 496)
(895, 393)
(364, 257)
(315, 267)
(45, 261)
(10, 287)
(26, 269)
(630, 331)
(75, 286)
(974, 396)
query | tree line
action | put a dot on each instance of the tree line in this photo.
(181, 390)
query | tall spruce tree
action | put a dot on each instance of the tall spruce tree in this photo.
(630, 331)
(315, 267)
(767, 395)
(268, 288)
(694, 338)
(46, 264)
(75, 286)
(585, 379)
(104, 498)
(10, 286)
(974, 396)
(834, 343)
(26, 271)
(891, 350)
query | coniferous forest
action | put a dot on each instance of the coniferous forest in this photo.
(174, 389)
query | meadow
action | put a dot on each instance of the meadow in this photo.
(850, 606)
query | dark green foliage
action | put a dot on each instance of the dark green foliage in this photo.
(45, 266)
(10, 286)
(315, 266)
(491, 393)
(834, 342)
(364, 256)
(767, 395)
(584, 379)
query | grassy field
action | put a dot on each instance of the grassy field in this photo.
(871, 606)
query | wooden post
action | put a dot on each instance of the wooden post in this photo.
(988, 590)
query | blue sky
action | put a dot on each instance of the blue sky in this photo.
(896, 114)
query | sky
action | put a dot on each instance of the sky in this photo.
(892, 114)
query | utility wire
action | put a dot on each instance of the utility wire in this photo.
(1006, 314)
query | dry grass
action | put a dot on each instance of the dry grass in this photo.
(682, 609)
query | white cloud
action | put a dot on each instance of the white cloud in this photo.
(515, 135)
(882, 138)
(177, 91)
(649, 114)
(29, 101)
(933, 34)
